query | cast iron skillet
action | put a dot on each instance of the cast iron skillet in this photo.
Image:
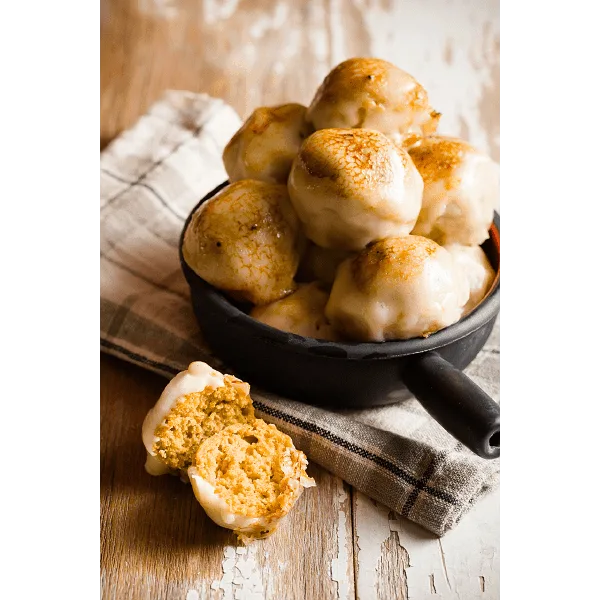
(345, 375)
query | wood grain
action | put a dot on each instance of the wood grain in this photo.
(156, 541)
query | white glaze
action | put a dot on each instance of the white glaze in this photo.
(478, 270)
(196, 378)
(460, 208)
(401, 303)
(155, 466)
(266, 144)
(246, 240)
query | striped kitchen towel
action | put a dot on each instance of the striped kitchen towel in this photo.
(151, 177)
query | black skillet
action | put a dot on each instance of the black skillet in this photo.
(352, 375)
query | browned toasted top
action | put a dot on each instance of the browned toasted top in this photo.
(240, 210)
(436, 157)
(262, 117)
(358, 157)
(373, 70)
(369, 78)
(398, 258)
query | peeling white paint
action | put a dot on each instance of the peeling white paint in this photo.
(444, 566)
(340, 564)
(228, 564)
(395, 525)
(372, 530)
(242, 578)
(463, 565)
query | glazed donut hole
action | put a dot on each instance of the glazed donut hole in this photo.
(246, 241)
(478, 270)
(461, 191)
(301, 313)
(396, 289)
(350, 187)
(374, 94)
(266, 144)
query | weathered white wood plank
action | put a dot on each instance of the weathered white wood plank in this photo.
(464, 564)
(380, 559)
(398, 559)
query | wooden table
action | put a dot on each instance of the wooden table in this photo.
(156, 541)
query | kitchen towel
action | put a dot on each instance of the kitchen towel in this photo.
(151, 177)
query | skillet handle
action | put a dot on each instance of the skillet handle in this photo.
(458, 404)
